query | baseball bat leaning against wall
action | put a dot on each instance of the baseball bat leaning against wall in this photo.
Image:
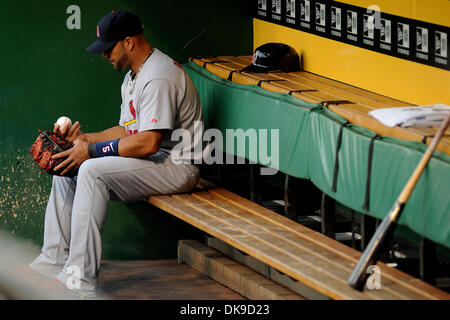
(386, 229)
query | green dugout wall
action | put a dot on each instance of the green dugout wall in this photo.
(46, 73)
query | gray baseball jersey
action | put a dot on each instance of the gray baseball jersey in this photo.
(161, 96)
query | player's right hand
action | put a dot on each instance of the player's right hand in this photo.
(61, 130)
(71, 133)
(75, 132)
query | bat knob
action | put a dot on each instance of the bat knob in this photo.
(357, 280)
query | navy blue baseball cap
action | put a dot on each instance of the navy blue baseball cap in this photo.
(114, 27)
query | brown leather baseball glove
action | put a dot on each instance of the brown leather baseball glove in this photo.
(46, 145)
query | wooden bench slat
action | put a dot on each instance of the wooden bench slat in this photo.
(255, 225)
(362, 111)
(410, 282)
(299, 77)
(320, 239)
(357, 93)
(419, 287)
(276, 230)
(336, 262)
(217, 230)
(328, 261)
(205, 212)
(232, 230)
(275, 87)
(243, 61)
(296, 269)
(285, 87)
(346, 92)
(223, 71)
(356, 115)
(234, 217)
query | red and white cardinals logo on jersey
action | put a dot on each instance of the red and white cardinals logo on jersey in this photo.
(132, 132)
(133, 112)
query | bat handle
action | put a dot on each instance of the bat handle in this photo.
(375, 248)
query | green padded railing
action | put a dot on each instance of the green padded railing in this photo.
(308, 135)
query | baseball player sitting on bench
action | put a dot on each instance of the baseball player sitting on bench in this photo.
(128, 162)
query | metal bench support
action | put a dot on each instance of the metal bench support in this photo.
(328, 211)
(428, 261)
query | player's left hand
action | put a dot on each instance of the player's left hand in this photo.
(75, 156)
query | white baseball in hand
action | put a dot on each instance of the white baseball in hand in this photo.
(64, 122)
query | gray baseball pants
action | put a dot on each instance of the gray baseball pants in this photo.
(77, 209)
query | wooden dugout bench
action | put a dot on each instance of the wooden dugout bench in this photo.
(353, 104)
(307, 256)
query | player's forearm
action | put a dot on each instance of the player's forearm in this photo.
(105, 135)
(136, 146)
(140, 145)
